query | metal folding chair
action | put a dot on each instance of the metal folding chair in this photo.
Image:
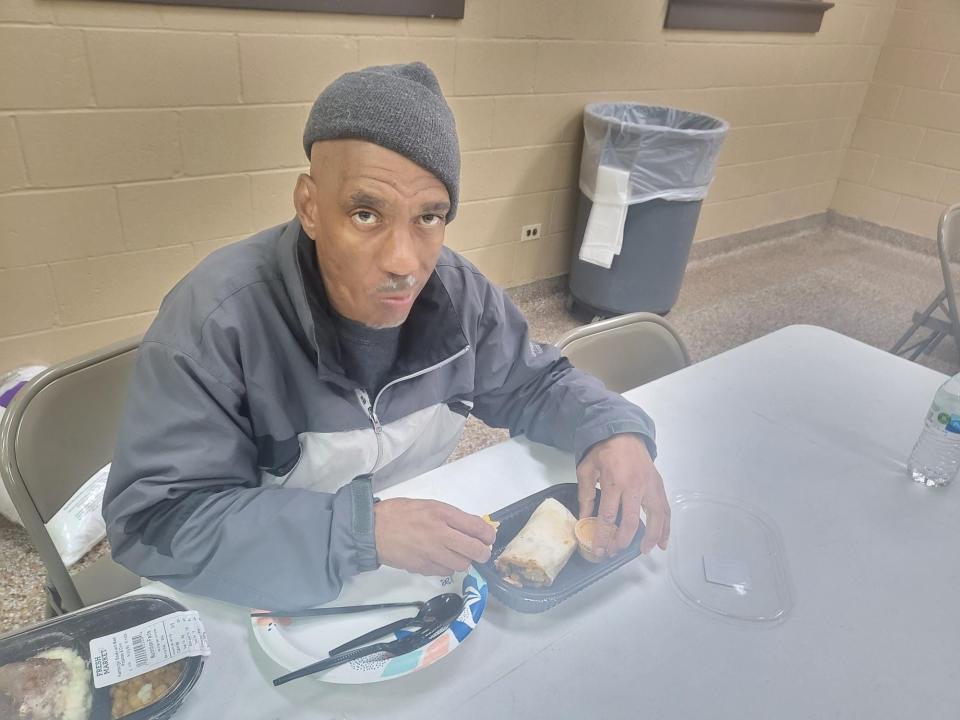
(626, 351)
(60, 429)
(948, 321)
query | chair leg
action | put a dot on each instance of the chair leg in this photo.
(934, 342)
(898, 346)
(919, 346)
(925, 346)
(951, 312)
(918, 321)
(52, 608)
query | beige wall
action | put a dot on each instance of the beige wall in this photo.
(903, 166)
(134, 139)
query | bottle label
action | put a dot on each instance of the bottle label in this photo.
(948, 422)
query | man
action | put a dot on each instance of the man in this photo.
(289, 376)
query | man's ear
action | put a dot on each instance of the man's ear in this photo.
(304, 200)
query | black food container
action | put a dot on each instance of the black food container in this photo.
(75, 631)
(575, 576)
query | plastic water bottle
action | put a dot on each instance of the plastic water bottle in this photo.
(935, 459)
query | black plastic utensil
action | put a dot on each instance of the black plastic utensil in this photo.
(439, 609)
(342, 610)
(408, 643)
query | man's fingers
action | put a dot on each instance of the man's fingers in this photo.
(656, 517)
(448, 559)
(433, 570)
(468, 547)
(665, 535)
(607, 527)
(587, 489)
(472, 525)
(629, 520)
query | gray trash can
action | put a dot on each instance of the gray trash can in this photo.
(644, 169)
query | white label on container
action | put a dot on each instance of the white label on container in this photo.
(146, 647)
(723, 570)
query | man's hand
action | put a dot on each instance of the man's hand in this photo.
(429, 537)
(627, 477)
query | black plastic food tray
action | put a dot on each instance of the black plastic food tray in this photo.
(575, 576)
(76, 630)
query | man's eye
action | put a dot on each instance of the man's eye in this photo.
(365, 217)
(431, 219)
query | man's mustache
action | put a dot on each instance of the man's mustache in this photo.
(395, 284)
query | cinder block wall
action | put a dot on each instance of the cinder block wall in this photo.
(134, 139)
(903, 167)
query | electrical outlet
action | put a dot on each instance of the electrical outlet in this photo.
(530, 232)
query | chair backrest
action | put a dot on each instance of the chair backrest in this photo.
(948, 244)
(59, 430)
(627, 351)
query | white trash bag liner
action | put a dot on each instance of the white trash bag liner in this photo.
(670, 154)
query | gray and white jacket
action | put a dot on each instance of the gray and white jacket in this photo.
(242, 468)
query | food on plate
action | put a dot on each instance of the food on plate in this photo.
(491, 522)
(541, 549)
(52, 685)
(586, 530)
(142, 690)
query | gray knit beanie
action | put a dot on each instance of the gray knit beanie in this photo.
(399, 107)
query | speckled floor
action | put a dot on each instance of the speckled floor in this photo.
(862, 288)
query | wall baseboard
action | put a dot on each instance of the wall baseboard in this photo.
(725, 244)
(882, 233)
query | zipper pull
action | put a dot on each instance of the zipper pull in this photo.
(365, 403)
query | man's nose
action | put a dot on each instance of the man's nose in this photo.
(398, 256)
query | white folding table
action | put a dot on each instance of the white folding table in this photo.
(809, 427)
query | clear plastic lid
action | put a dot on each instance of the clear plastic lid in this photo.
(728, 559)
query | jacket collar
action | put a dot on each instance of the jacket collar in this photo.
(431, 334)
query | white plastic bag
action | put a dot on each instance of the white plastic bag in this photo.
(78, 525)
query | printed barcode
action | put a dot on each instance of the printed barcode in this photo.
(139, 650)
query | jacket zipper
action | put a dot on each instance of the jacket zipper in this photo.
(371, 410)
(364, 397)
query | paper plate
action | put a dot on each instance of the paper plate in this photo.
(306, 640)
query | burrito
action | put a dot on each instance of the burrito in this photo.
(540, 550)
